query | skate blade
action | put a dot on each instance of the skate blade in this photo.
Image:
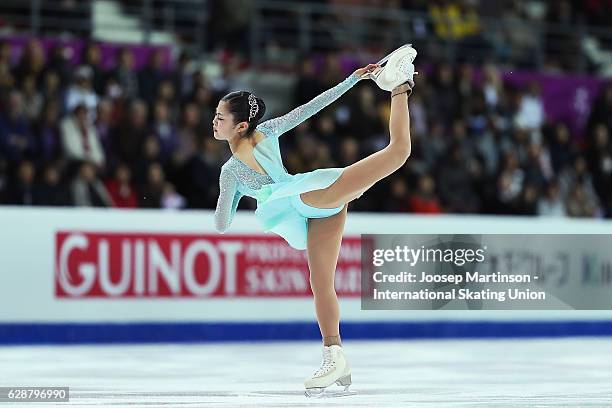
(386, 58)
(314, 393)
(328, 392)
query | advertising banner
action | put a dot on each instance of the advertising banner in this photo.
(153, 265)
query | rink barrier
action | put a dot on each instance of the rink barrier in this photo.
(38, 306)
(102, 333)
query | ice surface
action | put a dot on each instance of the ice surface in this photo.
(574, 372)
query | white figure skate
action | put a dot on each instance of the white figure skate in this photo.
(396, 68)
(334, 369)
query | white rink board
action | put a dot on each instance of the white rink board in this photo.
(27, 270)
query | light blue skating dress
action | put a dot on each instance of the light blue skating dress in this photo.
(279, 207)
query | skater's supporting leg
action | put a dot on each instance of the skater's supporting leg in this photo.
(324, 238)
(331, 340)
(362, 175)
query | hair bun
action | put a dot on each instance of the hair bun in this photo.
(262, 109)
(245, 107)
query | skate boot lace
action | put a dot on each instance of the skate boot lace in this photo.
(406, 68)
(326, 365)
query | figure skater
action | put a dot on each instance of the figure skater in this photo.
(309, 209)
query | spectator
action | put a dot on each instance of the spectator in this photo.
(418, 116)
(170, 199)
(579, 204)
(7, 81)
(32, 99)
(530, 115)
(164, 130)
(600, 160)
(538, 169)
(32, 63)
(202, 98)
(151, 153)
(528, 202)
(60, 64)
(446, 95)
(88, 190)
(126, 75)
(81, 92)
(166, 92)
(492, 86)
(308, 85)
(602, 109)
(399, 200)
(52, 92)
(552, 204)
(578, 177)
(151, 76)
(182, 76)
(455, 183)
(121, 189)
(188, 133)
(23, 190)
(130, 135)
(6, 52)
(153, 189)
(47, 130)
(80, 138)
(424, 200)
(92, 58)
(560, 148)
(104, 128)
(510, 184)
(365, 119)
(199, 182)
(51, 191)
(16, 141)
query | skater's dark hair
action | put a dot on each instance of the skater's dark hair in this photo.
(245, 107)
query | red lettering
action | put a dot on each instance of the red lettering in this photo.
(126, 265)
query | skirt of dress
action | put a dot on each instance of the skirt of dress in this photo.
(281, 211)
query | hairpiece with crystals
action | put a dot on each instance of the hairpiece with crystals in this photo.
(253, 107)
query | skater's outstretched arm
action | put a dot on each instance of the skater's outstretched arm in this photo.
(229, 197)
(277, 126)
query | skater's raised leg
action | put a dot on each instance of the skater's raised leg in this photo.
(362, 175)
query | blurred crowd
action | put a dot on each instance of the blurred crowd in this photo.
(478, 147)
(120, 137)
(83, 135)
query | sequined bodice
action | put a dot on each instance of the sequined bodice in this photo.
(247, 176)
(238, 179)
